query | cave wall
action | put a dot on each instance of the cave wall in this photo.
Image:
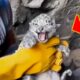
(63, 11)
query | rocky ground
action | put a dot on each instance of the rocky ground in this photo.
(63, 11)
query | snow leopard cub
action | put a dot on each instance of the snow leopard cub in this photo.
(41, 29)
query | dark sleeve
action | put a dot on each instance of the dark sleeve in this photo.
(6, 13)
(2, 31)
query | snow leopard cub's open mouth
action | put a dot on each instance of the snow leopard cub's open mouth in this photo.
(43, 36)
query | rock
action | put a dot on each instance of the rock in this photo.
(73, 60)
(15, 5)
(23, 14)
(25, 2)
(75, 38)
(63, 11)
(33, 3)
(75, 75)
(56, 6)
(65, 17)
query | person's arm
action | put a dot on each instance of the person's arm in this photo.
(10, 38)
(28, 61)
(14, 66)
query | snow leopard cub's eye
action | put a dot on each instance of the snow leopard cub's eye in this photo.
(35, 23)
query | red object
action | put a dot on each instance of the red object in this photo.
(76, 24)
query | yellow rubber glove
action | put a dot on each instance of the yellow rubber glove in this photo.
(57, 64)
(30, 61)
(59, 58)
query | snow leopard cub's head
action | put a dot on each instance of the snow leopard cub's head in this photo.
(42, 27)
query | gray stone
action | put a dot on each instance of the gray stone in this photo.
(25, 2)
(23, 14)
(74, 59)
(63, 11)
(15, 5)
(33, 3)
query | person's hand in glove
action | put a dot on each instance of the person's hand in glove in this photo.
(38, 59)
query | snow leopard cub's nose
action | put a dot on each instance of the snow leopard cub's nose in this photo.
(40, 29)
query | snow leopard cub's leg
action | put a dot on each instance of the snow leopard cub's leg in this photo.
(27, 77)
(28, 41)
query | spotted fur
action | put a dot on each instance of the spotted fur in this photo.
(41, 23)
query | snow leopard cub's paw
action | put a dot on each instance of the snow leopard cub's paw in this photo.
(28, 41)
(27, 77)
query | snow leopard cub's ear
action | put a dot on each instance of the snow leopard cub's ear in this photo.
(53, 22)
